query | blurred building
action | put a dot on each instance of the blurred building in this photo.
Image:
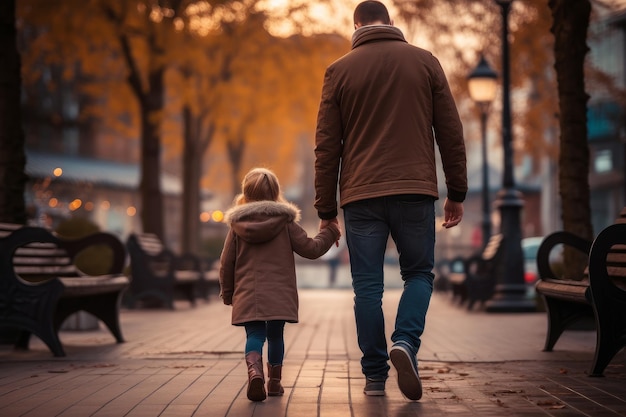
(605, 119)
(606, 127)
(62, 186)
(78, 169)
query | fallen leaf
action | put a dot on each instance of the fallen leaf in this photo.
(500, 403)
(508, 391)
(549, 403)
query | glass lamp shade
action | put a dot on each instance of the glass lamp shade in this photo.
(482, 82)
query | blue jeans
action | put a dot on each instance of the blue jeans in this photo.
(258, 331)
(410, 220)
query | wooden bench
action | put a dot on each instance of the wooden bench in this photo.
(456, 279)
(600, 295)
(441, 270)
(40, 285)
(480, 271)
(157, 273)
(210, 277)
(206, 268)
(473, 279)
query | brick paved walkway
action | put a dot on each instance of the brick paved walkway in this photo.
(188, 362)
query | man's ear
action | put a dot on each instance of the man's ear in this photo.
(391, 22)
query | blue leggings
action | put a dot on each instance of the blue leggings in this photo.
(258, 331)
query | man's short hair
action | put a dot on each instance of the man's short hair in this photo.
(369, 12)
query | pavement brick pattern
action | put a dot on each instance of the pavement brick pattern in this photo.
(189, 362)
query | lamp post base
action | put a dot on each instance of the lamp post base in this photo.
(510, 292)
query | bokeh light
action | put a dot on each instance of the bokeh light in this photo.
(217, 216)
(75, 204)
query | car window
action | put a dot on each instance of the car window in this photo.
(530, 246)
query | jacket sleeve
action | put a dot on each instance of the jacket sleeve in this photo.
(227, 268)
(312, 247)
(328, 148)
(449, 135)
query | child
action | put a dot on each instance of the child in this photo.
(258, 274)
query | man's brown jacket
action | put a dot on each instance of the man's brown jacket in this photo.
(384, 106)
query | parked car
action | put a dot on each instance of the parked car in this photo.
(530, 247)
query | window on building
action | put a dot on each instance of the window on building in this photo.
(603, 161)
(604, 120)
(71, 137)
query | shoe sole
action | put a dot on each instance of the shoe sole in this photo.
(408, 380)
(256, 390)
(376, 393)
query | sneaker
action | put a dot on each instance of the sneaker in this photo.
(406, 366)
(374, 387)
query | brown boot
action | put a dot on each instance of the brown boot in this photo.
(274, 373)
(256, 380)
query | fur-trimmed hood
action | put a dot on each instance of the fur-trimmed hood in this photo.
(260, 221)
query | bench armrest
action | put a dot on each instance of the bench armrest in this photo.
(547, 245)
(600, 276)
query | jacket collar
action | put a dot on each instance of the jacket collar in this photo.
(370, 33)
(267, 208)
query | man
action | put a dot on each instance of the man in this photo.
(383, 106)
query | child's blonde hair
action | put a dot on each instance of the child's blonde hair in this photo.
(259, 184)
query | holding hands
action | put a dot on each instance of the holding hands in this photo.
(326, 223)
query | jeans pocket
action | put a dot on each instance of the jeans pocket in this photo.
(416, 212)
(362, 227)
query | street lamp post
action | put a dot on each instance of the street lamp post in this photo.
(482, 85)
(510, 291)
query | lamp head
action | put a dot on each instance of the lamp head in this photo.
(482, 82)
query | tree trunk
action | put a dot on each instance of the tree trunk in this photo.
(569, 26)
(192, 158)
(12, 157)
(235, 155)
(150, 99)
(151, 107)
(197, 136)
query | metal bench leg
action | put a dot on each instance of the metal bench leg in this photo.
(48, 336)
(561, 315)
